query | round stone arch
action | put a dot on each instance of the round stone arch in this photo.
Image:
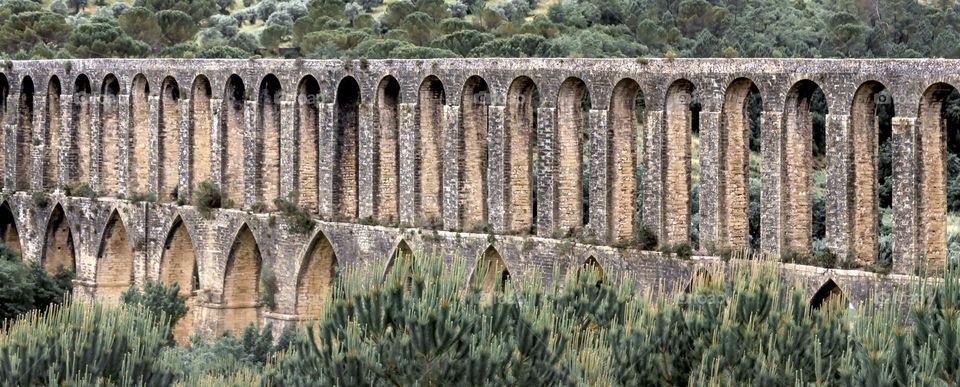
(624, 135)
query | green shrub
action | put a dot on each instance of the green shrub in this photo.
(299, 219)
(647, 239)
(81, 190)
(84, 344)
(165, 303)
(27, 286)
(40, 199)
(139, 197)
(208, 197)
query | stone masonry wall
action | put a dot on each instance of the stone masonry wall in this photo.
(393, 143)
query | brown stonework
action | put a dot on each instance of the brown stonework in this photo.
(490, 274)
(387, 191)
(4, 93)
(268, 136)
(315, 282)
(933, 176)
(430, 126)
(177, 263)
(570, 159)
(345, 151)
(865, 146)
(79, 153)
(200, 131)
(676, 195)
(114, 262)
(623, 160)
(8, 229)
(58, 250)
(521, 150)
(24, 134)
(168, 139)
(232, 133)
(139, 140)
(51, 144)
(798, 167)
(241, 284)
(473, 154)
(735, 160)
(109, 135)
(306, 167)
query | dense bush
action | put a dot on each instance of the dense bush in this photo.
(25, 286)
(738, 325)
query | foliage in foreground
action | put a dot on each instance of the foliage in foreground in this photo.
(26, 286)
(421, 326)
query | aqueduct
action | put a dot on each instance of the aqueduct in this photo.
(497, 159)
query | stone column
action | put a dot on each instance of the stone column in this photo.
(216, 145)
(289, 149)
(653, 172)
(252, 147)
(496, 168)
(452, 164)
(599, 174)
(125, 159)
(408, 173)
(67, 161)
(153, 150)
(838, 200)
(325, 120)
(710, 166)
(546, 172)
(37, 164)
(905, 195)
(771, 238)
(183, 131)
(365, 150)
(96, 145)
(9, 138)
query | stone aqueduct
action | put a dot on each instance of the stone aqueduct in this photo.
(469, 155)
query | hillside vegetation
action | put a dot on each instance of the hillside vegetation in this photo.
(42, 29)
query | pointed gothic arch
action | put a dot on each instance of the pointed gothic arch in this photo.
(178, 264)
(114, 261)
(490, 274)
(59, 250)
(9, 232)
(241, 283)
(828, 294)
(317, 275)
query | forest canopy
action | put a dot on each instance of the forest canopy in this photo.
(324, 29)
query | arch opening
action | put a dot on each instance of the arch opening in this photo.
(681, 165)
(268, 138)
(591, 270)
(9, 233)
(51, 143)
(387, 161)
(573, 155)
(316, 279)
(114, 262)
(521, 148)
(139, 168)
(403, 255)
(307, 164)
(625, 139)
(231, 139)
(24, 134)
(58, 247)
(871, 116)
(829, 295)
(934, 206)
(473, 151)
(168, 139)
(739, 190)
(490, 276)
(79, 135)
(201, 126)
(430, 123)
(109, 134)
(178, 264)
(4, 92)
(805, 165)
(346, 150)
(241, 284)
